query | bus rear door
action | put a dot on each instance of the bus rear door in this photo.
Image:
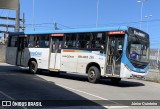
(21, 50)
(11, 50)
(114, 53)
(55, 56)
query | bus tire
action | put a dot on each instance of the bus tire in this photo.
(33, 67)
(115, 80)
(93, 74)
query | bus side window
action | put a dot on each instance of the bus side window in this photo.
(88, 45)
(70, 41)
(43, 41)
(78, 44)
(98, 41)
(84, 40)
(38, 41)
(31, 41)
(13, 41)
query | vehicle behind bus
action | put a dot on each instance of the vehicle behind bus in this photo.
(113, 52)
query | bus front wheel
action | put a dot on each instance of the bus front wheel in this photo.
(93, 74)
(33, 67)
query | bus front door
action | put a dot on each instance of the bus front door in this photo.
(114, 55)
(55, 56)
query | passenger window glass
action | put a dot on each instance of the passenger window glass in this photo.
(84, 40)
(13, 41)
(31, 41)
(38, 41)
(98, 41)
(70, 41)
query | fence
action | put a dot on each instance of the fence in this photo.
(155, 59)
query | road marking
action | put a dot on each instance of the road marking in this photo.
(10, 98)
(109, 107)
(82, 92)
(66, 87)
(6, 95)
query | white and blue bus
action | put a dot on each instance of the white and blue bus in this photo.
(113, 52)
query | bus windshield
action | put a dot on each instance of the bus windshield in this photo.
(139, 51)
(138, 46)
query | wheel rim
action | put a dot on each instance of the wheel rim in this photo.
(92, 74)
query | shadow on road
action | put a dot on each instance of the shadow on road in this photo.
(104, 81)
(18, 84)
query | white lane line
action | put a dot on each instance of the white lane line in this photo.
(109, 107)
(6, 95)
(82, 92)
(10, 98)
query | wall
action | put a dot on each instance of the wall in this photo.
(2, 52)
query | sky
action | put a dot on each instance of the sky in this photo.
(83, 14)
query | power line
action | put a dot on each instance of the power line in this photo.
(84, 26)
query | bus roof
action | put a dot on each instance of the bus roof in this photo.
(99, 29)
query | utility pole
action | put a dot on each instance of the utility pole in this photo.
(7, 25)
(33, 15)
(158, 58)
(23, 20)
(17, 18)
(97, 13)
(55, 26)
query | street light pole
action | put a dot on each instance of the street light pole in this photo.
(142, 4)
(33, 15)
(97, 13)
(148, 21)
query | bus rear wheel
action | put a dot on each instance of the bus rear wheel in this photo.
(93, 74)
(33, 67)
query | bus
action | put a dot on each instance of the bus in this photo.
(111, 52)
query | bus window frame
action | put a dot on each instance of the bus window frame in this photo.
(34, 41)
(10, 40)
(89, 49)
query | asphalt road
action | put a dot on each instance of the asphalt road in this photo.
(18, 84)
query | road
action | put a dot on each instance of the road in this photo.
(18, 84)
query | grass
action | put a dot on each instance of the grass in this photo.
(154, 79)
